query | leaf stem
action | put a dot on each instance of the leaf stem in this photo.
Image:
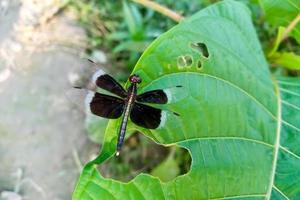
(290, 27)
(161, 9)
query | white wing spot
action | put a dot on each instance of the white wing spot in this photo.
(98, 73)
(163, 119)
(169, 95)
(88, 99)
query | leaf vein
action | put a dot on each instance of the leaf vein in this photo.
(276, 188)
(287, 83)
(106, 189)
(138, 189)
(290, 152)
(290, 125)
(228, 138)
(240, 196)
(239, 88)
(289, 92)
(247, 94)
(290, 105)
(293, 4)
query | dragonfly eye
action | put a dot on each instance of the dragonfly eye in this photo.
(135, 79)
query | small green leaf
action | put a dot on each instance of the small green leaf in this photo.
(132, 46)
(117, 36)
(287, 60)
(282, 13)
(276, 44)
(133, 20)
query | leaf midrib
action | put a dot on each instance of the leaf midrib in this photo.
(277, 143)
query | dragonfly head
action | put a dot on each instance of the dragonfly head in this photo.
(135, 79)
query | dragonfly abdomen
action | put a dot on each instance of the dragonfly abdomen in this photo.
(132, 90)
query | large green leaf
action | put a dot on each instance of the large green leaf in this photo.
(282, 13)
(230, 116)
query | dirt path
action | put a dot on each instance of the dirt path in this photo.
(40, 131)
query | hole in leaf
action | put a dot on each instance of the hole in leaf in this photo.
(199, 64)
(184, 61)
(202, 48)
(189, 60)
(141, 155)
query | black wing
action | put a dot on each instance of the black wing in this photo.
(108, 83)
(107, 106)
(145, 116)
(153, 96)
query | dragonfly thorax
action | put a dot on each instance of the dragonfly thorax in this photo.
(135, 79)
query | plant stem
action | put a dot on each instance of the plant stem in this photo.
(161, 9)
(290, 27)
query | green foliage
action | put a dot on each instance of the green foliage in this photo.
(286, 59)
(97, 18)
(242, 135)
(281, 13)
(136, 38)
(168, 169)
(125, 27)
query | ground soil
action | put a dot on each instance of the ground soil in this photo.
(42, 134)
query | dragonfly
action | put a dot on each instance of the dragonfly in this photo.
(125, 103)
